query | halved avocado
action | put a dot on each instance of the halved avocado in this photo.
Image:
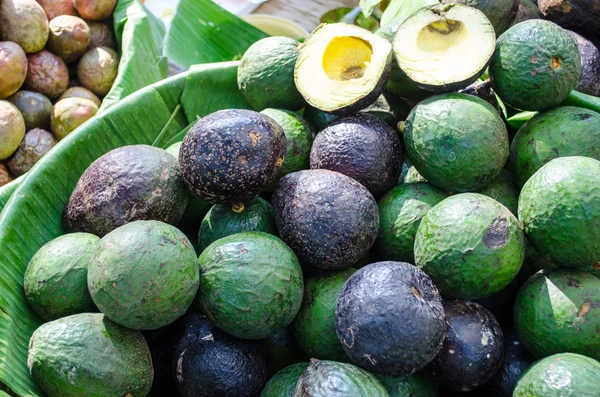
(342, 68)
(444, 47)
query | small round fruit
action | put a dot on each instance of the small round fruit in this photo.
(389, 318)
(95, 10)
(69, 37)
(33, 147)
(470, 245)
(81, 92)
(5, 176)
(35, 108)
(47, 74)
(13, 68)
(100, 35)
(12, 129)
(97, 69)
(56, 8)
(56, 278)
(25, 23)
(283, 383)
(143, 275)
(70, 113)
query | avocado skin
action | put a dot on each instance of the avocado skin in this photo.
(503, 190)
(137, 182)
(283, 383)
(208, 362)
(561, 132)
(582, 16)
(389, 318)
(500, 12)
(557, 311)
(527, 10)
(102, 358)
(362, 147)
(333, 379)
(473, 348)
(589, 83)
(327, 218)
(420, 384)
(231, 155)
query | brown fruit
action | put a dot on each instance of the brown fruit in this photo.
(69, 37)
(13, 68)
(56, 8)
(95, 10)
(81, 92)
(69, 114)
(5, 176)
(100, 35)
(47, 74)
(97, 70)
(25, 23)
(34, 146)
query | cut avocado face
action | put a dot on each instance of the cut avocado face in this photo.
(444, 47)
(342, 68)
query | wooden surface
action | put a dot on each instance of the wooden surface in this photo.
(304, 12)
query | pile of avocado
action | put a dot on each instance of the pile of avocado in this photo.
(368, 227)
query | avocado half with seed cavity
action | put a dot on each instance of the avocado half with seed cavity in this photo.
(444, 47)
(342, 68)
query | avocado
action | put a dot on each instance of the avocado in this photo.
(560, 375)
(13, 64)
(502, 302)
(318, 118)
(420, 384)
(95, 10)
(535, 66)
(400, 213)
(251, 284)
(362, 147)
(254, 215)
(284, 350)
(501, 13)
(443, 141)
(327, 218)
(87, 354)
(143, 275)
(583, 16)
(503, 190)
(136, 182)
(429, 46)
(342, 68)
(231, 155)
(470, 245)
(46, 74)
(209, 363)
(527, 10)
(69, 113)
(69, 37)
(558, 311)
(589, 83)
(12, 129)
(24, 22)
(35, 108)
(473, 348)
(97, 69)
(559, 209)
(333, 379)
(266, 74)
(283, 383)
(389, 318)
(314, 326)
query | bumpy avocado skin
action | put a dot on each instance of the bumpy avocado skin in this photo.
(473, 347)
(560, 375)
(558, 311)
(470, 245)
(251, 284)
(327, 218)
(503, 190)
(224, 219)
(400, 213)
(130, 183)
(12, 129)
(443, 140)
(314, 326)
(420, 384)
(35, 108)
(589, 83)
(13, 64)
(89, 355)
(266, 74)
(47, 74)
(501, 13)
(535, 66)
(362, 147)
(389, 318)
(333, 379)
(559, 209)
(561, 132)
(231, 155)
(25, 23)
(283, 383)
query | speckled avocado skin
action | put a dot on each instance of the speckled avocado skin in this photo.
(333, 379)
(470, 245)
(561, 132)
(389, 318)
(418, 385)
(89, 355)
(444, 141)
(327, 218)
(503, 190)
(473, 348)
(283, 383)
(137, 182)
(558, 311)
(362, 147)
(231, 155)
(559, 209)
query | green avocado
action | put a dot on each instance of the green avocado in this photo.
(560, 375)
(251, 284)
(420, 384)
(503, 190)
(501, 13)
(56, 278)
(400, 213)
(560, 132)
(559, 209)
(558, 311)
(470, 245)
(314, 326)
(255, 215)
(89, 355)
(283, 383)
(535, 66)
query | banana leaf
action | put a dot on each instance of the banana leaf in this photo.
(7, 190)
(32, 217)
